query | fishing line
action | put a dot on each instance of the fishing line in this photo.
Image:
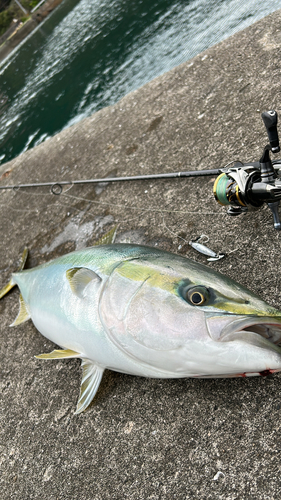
(60, 189)
(149, 209)
(20, 209)
(87, 213)
(171, 232)
(103, 203)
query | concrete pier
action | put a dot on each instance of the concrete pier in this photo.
(146, 438)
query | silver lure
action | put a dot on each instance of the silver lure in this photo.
(201, 248)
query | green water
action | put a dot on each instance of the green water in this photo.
(89, 54)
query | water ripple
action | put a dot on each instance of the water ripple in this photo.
(88, 55)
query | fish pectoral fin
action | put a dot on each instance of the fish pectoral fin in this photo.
(108, 238)
(23, 314)
(59, 354)
(79, 278)
(91, 378)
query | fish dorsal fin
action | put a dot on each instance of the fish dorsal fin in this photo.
(59, 354)
(23, 314)
(108, 238)
(79, 278)
(91, 378)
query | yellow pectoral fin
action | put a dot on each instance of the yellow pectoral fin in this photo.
(59, 354)
(79, 278)
(23, 314)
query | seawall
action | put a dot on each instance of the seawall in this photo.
(146, 438)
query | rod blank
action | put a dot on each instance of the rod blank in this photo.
(58, 185)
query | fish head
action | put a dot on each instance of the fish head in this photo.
(169, 303)
(233, 312)
(246, 329)
(228, 306)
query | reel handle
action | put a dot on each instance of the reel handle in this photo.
(270, 120)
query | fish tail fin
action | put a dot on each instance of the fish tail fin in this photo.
(7, 288)
(11, 283)
(23, 314)
(23, 259)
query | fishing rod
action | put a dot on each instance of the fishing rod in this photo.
(241, 186)
(56, 187)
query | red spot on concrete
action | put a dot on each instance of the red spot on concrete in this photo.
(6, 174)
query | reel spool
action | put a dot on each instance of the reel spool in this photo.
(229, 190)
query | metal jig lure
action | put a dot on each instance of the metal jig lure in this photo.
(201, 248)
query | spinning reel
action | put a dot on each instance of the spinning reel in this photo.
(252, 184)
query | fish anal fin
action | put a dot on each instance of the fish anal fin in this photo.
(23, 314)
(108, 238)
(91, 378)
(79, 278)
(59, 354)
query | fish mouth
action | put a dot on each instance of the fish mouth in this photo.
(260, 331)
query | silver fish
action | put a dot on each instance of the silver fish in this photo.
(147, 312)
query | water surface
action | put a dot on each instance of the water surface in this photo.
(89, 54)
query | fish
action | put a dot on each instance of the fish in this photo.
(147, 312)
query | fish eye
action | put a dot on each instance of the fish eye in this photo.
(197, 296)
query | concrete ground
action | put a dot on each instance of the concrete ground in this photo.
(146, 438)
